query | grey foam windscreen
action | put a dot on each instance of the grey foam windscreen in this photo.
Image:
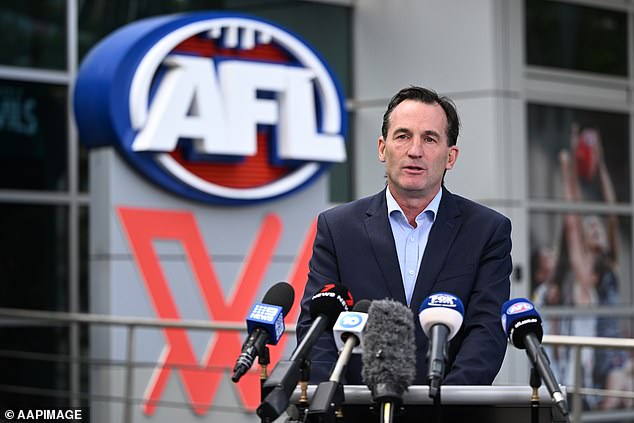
(389, 347)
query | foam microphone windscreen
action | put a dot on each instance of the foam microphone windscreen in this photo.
(281, 294)
(389, 349)
(329, 302)
(520, 318)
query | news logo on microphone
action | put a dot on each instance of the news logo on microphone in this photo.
(330, 291)
(349, 322)
(269, 317)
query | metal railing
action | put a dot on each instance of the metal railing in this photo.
(10, 317)
(577, 343)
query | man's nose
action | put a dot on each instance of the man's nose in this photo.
(416, 148)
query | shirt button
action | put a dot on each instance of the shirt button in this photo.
(411, 272)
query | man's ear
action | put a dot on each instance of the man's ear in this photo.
(381, 148)
(452, 157)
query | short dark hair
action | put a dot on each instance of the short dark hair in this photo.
(427, 96)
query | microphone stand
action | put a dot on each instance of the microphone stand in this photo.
(264, 359)
(304, 377)
(437, 407)
(328, 397)
(297, 413)
(535, 382)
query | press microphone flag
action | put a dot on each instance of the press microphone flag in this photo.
(348, 333)
(389, 354)
(265, 325)
(523, 326)
(325, 307)
(349, 325)
(440, 316)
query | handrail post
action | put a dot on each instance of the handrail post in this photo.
(129, 376)
(75, 365)
(576, 395)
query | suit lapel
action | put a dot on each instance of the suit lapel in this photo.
(382, 240)
(441, 237)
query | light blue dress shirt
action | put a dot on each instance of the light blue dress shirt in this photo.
(411, 242)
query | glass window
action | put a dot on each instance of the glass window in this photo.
(33, 128)
(33, 33)
(597, 143)
(84, 168)
(582, 38)
(34, 257)
(34, 373)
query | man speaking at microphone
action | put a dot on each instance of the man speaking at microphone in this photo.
(415, 238)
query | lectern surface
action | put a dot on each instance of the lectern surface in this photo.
(490, 404)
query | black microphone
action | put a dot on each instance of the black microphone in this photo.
(440, 316)
(348, 333)
(325, 307)
(523, 326)
(265, 325)
(389, 354)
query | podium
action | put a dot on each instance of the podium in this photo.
(458, 404)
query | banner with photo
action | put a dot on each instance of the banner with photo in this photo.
(580, 239)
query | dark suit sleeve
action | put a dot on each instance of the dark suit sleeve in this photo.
(323, 269)
(483, 345)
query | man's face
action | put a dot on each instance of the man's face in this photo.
(416, 152)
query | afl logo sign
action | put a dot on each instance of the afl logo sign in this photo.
(520, 307)
(220, 108)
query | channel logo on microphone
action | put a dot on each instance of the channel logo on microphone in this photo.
(331, 291)
(216, 107)
(520, 307)
(442, 300)
(351, 320)
(270, 317)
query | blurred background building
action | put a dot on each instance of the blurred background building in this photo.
(531, 79)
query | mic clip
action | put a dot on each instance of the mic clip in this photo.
(264, 359)
(325, 406)
(386, 392)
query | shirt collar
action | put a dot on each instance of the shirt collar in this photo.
(392, 205)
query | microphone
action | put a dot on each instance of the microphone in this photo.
(348, 333)
(440, 317)
(265, 325)
(523, 326)
(389, 354)
(325, 307)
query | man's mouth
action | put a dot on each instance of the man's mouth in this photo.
(413, 168)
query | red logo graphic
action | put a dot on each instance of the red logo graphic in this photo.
(330, 286)
(199, 377)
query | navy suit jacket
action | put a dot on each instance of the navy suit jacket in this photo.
(467, 255)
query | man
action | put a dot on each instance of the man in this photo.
(415, 238)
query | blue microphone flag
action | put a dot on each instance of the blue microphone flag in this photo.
(519, 317)
(268, 317)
